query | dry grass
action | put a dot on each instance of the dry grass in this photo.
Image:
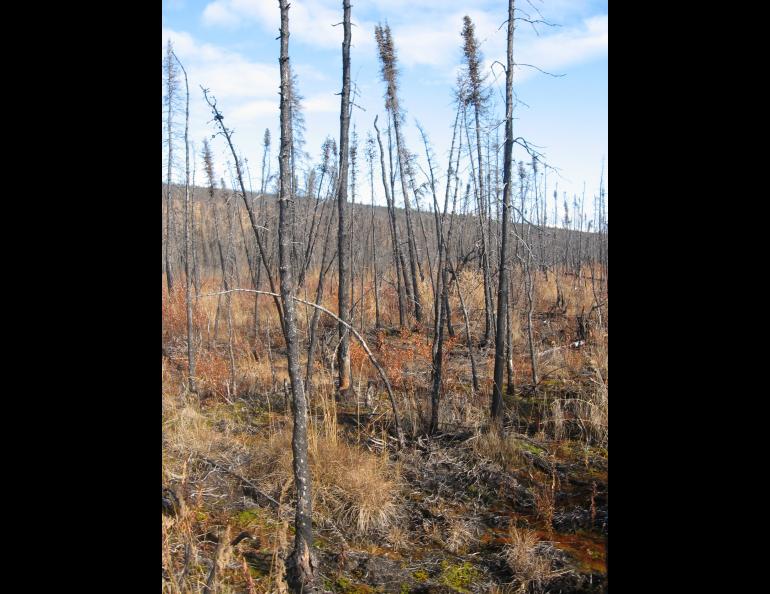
(545, 505)
(461, 532)
(532, 570)
(355, 490)
(500, 448)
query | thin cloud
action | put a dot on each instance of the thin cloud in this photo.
(321, 104)
(311, 22)
(440, 45)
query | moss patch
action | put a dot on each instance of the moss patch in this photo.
(458, 577)
(346, 586)
(248, 517)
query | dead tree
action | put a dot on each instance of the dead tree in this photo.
(227, 133)
(327, 149)
(440, 293)
(474, 374)
(407, 283)
(529, 284)
(398, 258)
(502, 287)
(477, 98)
(297, 141)
(231, 280)
(265, 160)
(353, 170)
(195, 249)
(343, 246)
(188, 237)
(209, 167)
(171, 90)
(389, 74)
(408, 160)
(370, 152)
(302, 564)
(313, 341)
(262, 189)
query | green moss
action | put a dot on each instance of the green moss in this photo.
(421, 575)
(404, 589)
(201, 516)
(532, 449)
(346, 586)
(458, 577)
(248, 517)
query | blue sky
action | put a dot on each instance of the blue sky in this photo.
(230, 47)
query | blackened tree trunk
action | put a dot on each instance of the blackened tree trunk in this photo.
(301, 566)
(502, 287)
(343, 246)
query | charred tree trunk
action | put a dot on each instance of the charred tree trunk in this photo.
(502, 287)
(343, 246)
(302, 564)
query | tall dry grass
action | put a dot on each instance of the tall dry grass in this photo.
(532, 570)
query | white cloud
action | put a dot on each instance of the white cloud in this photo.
(310, 21)
(228, 74)
(255, 109)
(218, 14)
(322, 104)
(246, 93)
(568, 47)
(439, 44)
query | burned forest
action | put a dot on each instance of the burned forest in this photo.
(385, 357)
